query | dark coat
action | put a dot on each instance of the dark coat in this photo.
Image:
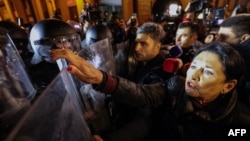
(187, 55)
(180, 119)
(244, 86)
(131, 122)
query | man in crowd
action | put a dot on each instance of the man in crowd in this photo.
(130, 122)
(236, 32)
(186, 39)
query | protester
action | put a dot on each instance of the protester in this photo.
(186, 38)
(202, 107)
(148, 70)
(236, 32)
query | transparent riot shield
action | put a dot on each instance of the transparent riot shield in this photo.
(99, 55)
(16, 66)
(56, 115)
(121, 53)
(16, 90)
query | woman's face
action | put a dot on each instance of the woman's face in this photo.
(205, 79)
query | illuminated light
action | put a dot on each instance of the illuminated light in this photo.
(174, 10)
(77, 26)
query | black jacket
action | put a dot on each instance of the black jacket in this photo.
(131, 122)
(187, 55)
(244, 86)
(180, 119)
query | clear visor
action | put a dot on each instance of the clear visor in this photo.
(42, 47)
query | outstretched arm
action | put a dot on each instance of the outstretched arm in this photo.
(122, 89)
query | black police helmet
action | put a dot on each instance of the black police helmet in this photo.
(18, 34)
(52, 33)
(96, 33)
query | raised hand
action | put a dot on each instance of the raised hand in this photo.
(78, 66)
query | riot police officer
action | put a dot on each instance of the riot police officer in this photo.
(44, 36)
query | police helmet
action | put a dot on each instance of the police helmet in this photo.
(96, 33)
(52, 33)
(18, 35)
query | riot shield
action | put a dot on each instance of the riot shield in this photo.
(16, 90)
(69, 109)
(16, 66)
(121, 55)
(56, 115)
(99, 55)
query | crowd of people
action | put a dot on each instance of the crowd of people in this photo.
(189, 89)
